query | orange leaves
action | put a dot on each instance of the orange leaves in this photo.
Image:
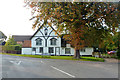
(76, 37)
(50, 24)
(112, 9)
(71, 19)
(31, 5)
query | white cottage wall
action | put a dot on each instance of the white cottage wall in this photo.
(26, 51)
(88, 51)
(33, 42)
(71, 51)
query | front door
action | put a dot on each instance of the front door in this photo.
(57, 51)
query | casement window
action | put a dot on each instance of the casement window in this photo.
(41, 49)
(67, 51)
(82, 50)
(33, 49)
(38, 41)
(51, 49)
(53, 41)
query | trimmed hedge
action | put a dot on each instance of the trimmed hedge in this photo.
(12, 48)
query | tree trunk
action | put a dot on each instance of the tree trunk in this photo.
(77, 54)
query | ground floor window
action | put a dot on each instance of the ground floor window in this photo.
(41, 49)
(33, 49)
(51, 49)
(67, 51)
(82, 50)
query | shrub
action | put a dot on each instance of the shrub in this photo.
(12, 47)
(118, 53)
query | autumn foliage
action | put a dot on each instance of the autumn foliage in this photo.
(79, 20)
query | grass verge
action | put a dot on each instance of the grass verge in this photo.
(59, 57)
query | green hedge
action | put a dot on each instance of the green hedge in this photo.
(118, 53)
(12, 48)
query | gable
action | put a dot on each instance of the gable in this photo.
(45, 32)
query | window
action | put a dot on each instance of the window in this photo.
(82, 50)
(53, 41)
(38, 41)
(41, 49)
(51, 50)
(67, 51)
(46, 31)
(33, 49)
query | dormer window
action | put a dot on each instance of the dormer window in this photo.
(38, 41)
(46, 31)
(53, 41)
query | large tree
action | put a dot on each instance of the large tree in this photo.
(77, 19)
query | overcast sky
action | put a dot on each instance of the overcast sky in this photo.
(14, 18)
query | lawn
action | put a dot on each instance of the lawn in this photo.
(59, 57)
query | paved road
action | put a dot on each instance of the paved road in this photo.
(22, 67)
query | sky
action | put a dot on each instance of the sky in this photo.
(14, 18)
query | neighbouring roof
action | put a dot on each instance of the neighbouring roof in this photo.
(27, 44)
(21, 37)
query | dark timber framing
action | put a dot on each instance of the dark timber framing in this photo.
(45, 35)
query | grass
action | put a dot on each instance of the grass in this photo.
(59, 57)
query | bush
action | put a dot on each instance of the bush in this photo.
(12, 47)
(17, 47)
(118, 53)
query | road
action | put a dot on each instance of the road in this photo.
(24, 67)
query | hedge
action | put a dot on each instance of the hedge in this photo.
(12, 48)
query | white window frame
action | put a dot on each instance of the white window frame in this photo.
(53, 41)
(38, 41)
(40, 49)
(69, 51)
(82, 50)
(52, 50)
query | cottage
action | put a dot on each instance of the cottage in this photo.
(45, 40)
(3, 37)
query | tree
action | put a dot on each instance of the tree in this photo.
(11, 45)
(77, 19)
(10, 41)
(117, 43)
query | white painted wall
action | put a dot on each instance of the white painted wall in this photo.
(63, 51)
(26, 50)
(39, 35)
(33, 42)
(88, 51)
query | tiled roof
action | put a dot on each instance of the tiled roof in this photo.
(27, 44)
(21, 37)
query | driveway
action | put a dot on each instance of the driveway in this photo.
(24, 67)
